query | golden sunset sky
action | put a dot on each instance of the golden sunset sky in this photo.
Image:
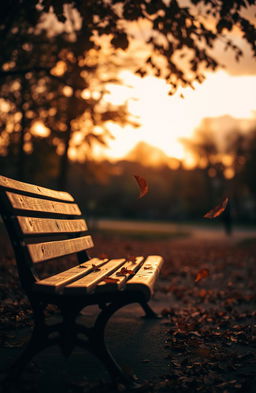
(165, 119)
(228, 96)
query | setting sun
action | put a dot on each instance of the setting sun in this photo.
(165, 119)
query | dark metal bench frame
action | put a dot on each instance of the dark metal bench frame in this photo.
(66, 334)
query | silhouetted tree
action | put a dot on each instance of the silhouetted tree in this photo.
(66, 94)
(180, 37)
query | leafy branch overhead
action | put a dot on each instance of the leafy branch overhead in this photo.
(59, 82)
(175, 34)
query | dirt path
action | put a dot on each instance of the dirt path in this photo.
(200, 231)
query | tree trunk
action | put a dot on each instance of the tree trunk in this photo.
(64, 162)
(21, 153)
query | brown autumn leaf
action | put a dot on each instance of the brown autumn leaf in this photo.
(95, 268)
(132, 259)
(217, 210)
(201, 274)
(202, 292)
(124, 271)
(142, 185)
(110, 280)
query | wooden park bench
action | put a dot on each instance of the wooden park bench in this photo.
(43, 225)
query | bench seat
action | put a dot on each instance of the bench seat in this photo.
(103, 275)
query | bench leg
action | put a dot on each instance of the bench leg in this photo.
(95, 340)
(149, 313)
(97, 346)
(69, 328)
(96, 343)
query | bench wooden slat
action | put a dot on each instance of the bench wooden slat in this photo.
(22, 202)
(145, 278)
(113, 286)
(48, 250)
(89, 282)
(58, 281)
(34, 225)
(33, 189)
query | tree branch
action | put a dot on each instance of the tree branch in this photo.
(47, 71)
(21, 72)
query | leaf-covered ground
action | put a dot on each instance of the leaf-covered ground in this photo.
(208, 292)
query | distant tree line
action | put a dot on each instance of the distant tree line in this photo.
(174, 194)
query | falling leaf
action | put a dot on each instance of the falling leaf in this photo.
(142, 185)
(110, 280)
(217, 210)
(201, 274)
(124, 271)
(95, 268)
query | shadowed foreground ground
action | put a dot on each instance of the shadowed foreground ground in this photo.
(206, 341)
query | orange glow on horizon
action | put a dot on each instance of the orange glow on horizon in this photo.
(165, 120)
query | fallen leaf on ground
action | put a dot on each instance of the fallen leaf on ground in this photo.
(202, 292)
(142, 185)
(203, 273)
(217, 210)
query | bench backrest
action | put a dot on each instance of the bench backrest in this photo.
(43, 224)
